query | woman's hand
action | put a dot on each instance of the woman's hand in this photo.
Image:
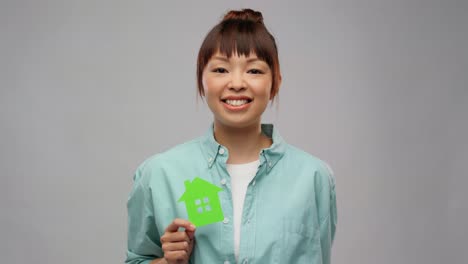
(177, 245)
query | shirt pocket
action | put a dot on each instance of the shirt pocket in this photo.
(298, 242)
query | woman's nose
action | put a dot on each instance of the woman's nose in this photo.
(237, 82)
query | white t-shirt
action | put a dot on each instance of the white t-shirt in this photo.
(241, 175)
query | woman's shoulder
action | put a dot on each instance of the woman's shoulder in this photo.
(303, 156)
(304, 159)
(172, 156)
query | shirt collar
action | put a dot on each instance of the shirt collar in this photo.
(271, 154)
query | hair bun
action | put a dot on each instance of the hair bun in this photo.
(244, 14)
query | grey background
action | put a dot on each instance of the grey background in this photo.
(89, 89)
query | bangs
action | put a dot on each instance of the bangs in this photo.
(244, 37)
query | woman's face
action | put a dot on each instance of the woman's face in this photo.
(237, 89)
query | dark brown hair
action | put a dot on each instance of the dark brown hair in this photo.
(240, 32)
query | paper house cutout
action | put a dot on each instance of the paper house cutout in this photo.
(202, 202)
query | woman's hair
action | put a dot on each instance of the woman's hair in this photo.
(240, 32)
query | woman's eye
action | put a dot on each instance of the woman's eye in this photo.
(220, 70)
(255, 71)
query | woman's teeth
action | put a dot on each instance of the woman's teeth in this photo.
(236, 102)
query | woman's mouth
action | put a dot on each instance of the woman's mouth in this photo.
(238, 104)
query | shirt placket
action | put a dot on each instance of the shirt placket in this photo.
(249, 216)
(227, 225)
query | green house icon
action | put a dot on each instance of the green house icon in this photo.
(202, 202)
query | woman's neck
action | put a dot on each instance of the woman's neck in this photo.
(244, 144)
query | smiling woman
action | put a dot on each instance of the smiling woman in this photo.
(238, 74)
(249, 82)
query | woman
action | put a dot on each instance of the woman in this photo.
(278, 202)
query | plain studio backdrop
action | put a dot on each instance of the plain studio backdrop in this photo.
(89, 89)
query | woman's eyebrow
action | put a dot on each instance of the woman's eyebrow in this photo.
(253, 59)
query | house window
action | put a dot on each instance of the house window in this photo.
(205, 207)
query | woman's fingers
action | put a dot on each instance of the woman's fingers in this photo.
(177, 223)
(191, 234)
(176, 246)
(180, 255)
(175, 237)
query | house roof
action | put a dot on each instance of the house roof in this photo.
(198, 188)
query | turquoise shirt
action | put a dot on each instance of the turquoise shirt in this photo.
(289, 213)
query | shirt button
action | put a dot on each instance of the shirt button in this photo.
(210, 159)
(221, 151)
(226, 220)
(223, 181)
(269, 164)
(227, 262)
(253, 183)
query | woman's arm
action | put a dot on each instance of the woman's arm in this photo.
(145, 245)
(327, 212)
(143, 236)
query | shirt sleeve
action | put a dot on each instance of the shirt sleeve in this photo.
(143, 237)
(327, 211)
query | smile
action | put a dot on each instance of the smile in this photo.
(236, 102)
